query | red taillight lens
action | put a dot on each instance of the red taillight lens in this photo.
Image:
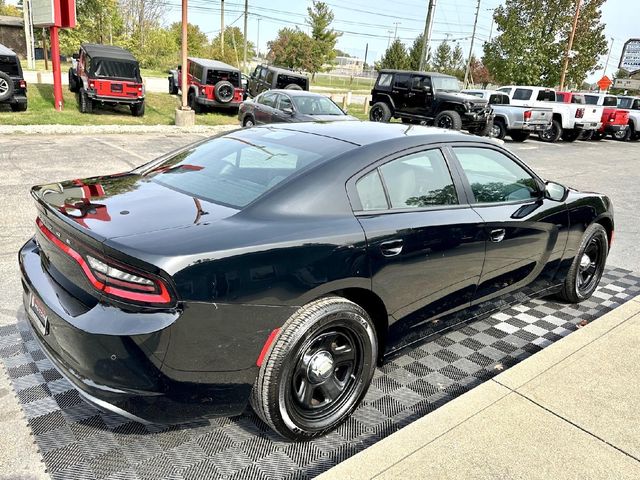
(23, 84)
(113, 279)
(527, 115)
(612, 117)
(580, 113)
(92, 85)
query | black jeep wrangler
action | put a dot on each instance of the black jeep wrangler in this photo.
(210, 83)
(267, 77)
(13, 88)
(427, 98)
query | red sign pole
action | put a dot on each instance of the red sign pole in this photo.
(55, 62)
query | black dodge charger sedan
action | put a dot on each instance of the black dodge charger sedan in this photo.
(279, 265)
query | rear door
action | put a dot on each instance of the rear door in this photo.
(402, 92)
(526, 232)
(265, 107)
(425, 243)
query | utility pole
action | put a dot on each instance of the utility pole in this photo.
(366, 52)
(492, 22)
(44, 49)
(222, 27)
(246, 14)
(395, 32)
(258, 40)
(26, 7)
(606, 65)
(426, 36)
(183, 72)
(570, 45)
(473, 38)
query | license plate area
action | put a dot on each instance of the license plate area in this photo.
(38, 314)
(116, 87)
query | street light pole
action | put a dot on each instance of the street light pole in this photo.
(606, 65)
(565, 64)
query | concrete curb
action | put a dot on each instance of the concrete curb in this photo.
(397, 447)
(111, 129)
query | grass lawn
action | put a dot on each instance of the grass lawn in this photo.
(343, 83)
(160, 110)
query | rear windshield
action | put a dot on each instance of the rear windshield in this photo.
(9, 65)
(110, 68)
(236, 169)
(498, 99)
(591, 99)
(315, 105)
(215, 76)
(546, 96)
(610, 101)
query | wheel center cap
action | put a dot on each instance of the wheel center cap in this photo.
(320, 366)
(585, 261)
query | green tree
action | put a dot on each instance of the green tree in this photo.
(395, 57)
(532, 39)
(415, 53)
(9, 10)
(233, 47)
(292, 48)
(197, 41)
(324, 37)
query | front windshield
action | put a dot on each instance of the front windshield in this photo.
(448, 84)
(315, 106)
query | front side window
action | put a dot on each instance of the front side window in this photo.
(284, 103)
(522, 94)
(419, 82)
(268, 99)
(494, 177)
(419, 180)
(384, 80)
(402, 80)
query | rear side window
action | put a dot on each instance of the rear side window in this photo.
(494, 177)
(236, 169)
(419, 180)
(522, 94)
(498, 99)
(384, 80)
(579, 99)
(402, 81)
(592, 99)
(371, 192)
(419, 82)
(610, 101)
(215, 76)
(546, 96)
(9, 65)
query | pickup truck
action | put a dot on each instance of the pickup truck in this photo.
(569, 121)
(579, 99)
(615, 121)
(514, 120)
(631, 105)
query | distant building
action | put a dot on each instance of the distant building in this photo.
(347, 66)
(12, 34)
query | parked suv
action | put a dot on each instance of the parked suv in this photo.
(13, 88)
(210, 83)
(104, 74)
(267, 77)
(433, 98)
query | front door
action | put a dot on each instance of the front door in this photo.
(526, 232)
(421, 95)
(425, 244)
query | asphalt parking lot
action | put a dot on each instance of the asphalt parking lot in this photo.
(609, 167)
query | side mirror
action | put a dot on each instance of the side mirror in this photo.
(427, 88)
(556, 192)
(288, 111)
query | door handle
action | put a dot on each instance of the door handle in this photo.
(391, 248)
(497, 235)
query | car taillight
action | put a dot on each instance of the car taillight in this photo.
(580, 113)
(92, 85)
(527, 115)
(203, 90)
(23, 84)
(112, 278)
(612, 117)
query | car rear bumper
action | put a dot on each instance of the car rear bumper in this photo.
(138, 373)
(587, 126)
(530, 127)
(611, 128)
(207, 102)
(110, 99)
(16, 98)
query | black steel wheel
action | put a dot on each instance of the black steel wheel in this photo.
(317, 370)
(551, 134)
(588, 265)
(224, 91)
(448, 119)
(380, 112)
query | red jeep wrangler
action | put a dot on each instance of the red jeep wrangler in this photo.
(106, 74)
(615, 121)
(211, 84)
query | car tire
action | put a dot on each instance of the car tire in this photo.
(498, 129)
(19, 107)
(588, 265)
(224, 91)
(586, 135)
(137, 109)
(570, 135)
(6, 87)
(551, 134)
(293, 86)
(597, 136)
(301, 392)
(519, 135)
(623, 136)
(248, 121)
(73, 81)
(191, 101)
(86, 104)
(380, 112)
(449, 119)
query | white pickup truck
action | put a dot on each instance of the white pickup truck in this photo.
(632, 105)
(516, 121)
(570, 120)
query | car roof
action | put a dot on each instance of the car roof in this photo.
(6, 51)
(283, 70)
(294, 93)
(208, 63)
(108, 51)
(366, 133)
(416, 72)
